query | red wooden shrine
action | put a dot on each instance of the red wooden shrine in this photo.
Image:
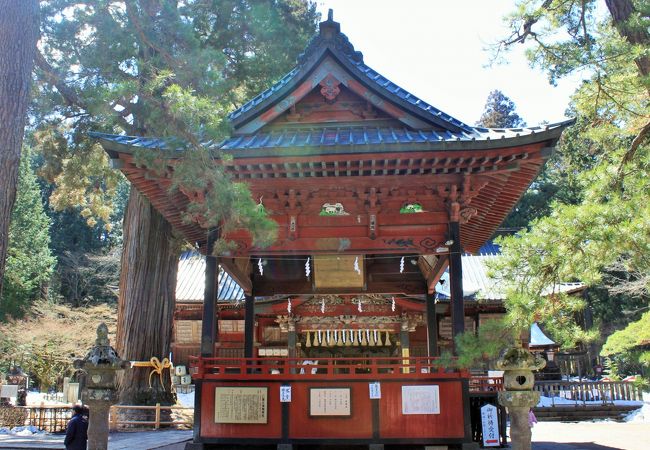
(376, 193)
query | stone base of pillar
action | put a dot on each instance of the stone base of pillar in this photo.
(471, 446)
(376, 447)
(285, 446)
(194, 446)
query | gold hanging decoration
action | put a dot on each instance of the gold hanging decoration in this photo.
(308, 343)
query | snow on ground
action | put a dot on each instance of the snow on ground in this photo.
(37, 398)
(21, 431)
(641, 415)
(186, 400)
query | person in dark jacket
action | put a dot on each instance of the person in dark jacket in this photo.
(76, 434)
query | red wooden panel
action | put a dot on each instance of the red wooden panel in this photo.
(271, 429)
(448, 424)
(357, 426)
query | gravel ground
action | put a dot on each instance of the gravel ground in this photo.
(591, 436)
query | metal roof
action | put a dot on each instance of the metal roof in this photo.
(349, 138)
(538, 338)
(341, 136)
(190, 281)
(478, 285)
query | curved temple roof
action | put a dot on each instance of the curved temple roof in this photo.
(293, 134)
(331, 42)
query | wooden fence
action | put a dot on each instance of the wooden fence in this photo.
(51, 418)
(157, 422)
(589, 391)
(54, 418)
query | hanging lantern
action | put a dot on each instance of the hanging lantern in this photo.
(308, 342)
(387, 340)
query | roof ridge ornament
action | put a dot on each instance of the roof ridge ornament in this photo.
(330, 35)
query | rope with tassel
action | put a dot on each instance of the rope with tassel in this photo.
(157, 368)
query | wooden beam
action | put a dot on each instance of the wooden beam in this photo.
(240, 274)
(436, 272)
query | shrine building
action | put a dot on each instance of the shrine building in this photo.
(377, 194)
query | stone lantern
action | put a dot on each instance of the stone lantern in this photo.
(101, 366)
(17, 377)
(518, 364)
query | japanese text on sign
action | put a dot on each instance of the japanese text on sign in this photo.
(490, 423)
(421, 399)
(329, 402)
(240, 405)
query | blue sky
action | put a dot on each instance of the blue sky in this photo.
(437, 51)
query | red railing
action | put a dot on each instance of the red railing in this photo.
(323, 368)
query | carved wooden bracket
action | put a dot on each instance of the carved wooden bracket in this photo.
(330, 88)
(459, 200)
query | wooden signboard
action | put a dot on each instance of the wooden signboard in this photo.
(240, 404)
(421, 399)
(338, 271)
(330, 402)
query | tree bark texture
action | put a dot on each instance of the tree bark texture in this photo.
(19, 31)
(621, 11)
(146, 299)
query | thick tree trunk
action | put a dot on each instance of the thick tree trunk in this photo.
(621, 11)
(146, 299)
(18, 35)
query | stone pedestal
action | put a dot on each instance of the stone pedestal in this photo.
(98, 424)
(102, 364)
(518, 380)
(518, 404)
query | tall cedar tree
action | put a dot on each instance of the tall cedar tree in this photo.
(152, 68)
(29, 260)
(606, 155)
(18, 36)
(500, 112)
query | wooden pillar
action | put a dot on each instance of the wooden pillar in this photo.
(292, 337)
(210, 312)
(249, 325)
(456, 281)
(432, 326)
(404, 339)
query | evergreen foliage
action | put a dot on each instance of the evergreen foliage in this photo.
(151, 68)
(29, 259)
(601, 227)
(500, 112)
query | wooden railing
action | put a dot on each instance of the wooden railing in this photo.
(156, 423)
(323, 368)
(589, 391)
(479, 384)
